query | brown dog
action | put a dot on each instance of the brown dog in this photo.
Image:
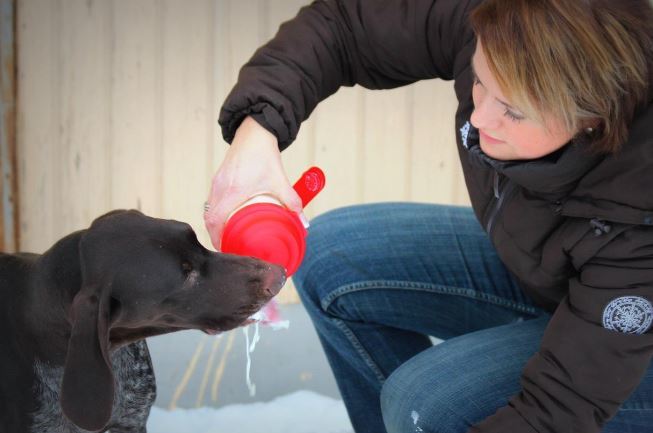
(73, 320)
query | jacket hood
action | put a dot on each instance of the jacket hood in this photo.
(620, 186)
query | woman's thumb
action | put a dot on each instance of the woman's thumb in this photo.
(291, 200)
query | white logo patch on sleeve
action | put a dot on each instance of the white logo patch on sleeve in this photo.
(628, 314)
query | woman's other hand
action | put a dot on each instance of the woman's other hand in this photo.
(251, 166)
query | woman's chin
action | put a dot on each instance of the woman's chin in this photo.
(496, 151)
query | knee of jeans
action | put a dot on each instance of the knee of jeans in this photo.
(400, 414)
(411, 403)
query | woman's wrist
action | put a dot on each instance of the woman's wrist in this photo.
(251, 131)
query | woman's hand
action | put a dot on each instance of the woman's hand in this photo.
(251, 166)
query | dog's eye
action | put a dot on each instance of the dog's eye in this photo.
(186, 267)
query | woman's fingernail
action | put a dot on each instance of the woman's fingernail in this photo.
(304, 220)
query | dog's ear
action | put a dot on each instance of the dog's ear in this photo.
(87, 389)
(88, 386)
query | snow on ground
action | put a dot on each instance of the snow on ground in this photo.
(299, 412)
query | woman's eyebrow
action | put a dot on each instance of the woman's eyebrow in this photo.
(504, 103)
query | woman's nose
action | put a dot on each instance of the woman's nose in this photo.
(486, 114)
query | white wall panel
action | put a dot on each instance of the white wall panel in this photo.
(136, 107)
(38, 123)
(118, 104)
(83, 158)
(187, 130)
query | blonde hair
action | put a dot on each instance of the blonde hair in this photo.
(589, 62)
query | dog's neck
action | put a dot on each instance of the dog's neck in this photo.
(54, 285)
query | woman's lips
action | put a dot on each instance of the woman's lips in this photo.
(489, 139)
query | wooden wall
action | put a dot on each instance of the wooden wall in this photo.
(8, 181)
(118, 103)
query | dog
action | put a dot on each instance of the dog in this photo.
(73, 321)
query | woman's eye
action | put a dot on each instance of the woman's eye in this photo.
(512, 116)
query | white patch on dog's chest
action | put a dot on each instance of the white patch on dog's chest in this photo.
(134, 396)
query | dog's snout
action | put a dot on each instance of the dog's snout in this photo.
(274, 279)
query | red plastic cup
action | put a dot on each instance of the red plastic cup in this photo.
(265, 229)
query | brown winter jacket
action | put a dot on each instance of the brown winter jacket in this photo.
(575, 228)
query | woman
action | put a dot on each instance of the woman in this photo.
(546, 306)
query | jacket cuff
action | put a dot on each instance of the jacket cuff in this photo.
(264, 114)
(505, 420)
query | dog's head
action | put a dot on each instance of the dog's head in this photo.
(142, 276)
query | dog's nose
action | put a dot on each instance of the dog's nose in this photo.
(274, 279)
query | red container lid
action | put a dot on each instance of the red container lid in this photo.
(271, 232)
(268, 232)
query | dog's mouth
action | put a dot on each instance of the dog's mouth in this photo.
(241, 318)
(216, 331)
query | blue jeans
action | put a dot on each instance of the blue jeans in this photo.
(377, 280)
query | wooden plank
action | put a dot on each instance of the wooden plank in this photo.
(38, 131)
(136, 109)
(221, 82)
(436, 175)
(386, 145)
(339, 149)
(8, 182)
(82, 187)
(244, 32)
(186, 134)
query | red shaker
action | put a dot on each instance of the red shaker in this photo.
(263, 228)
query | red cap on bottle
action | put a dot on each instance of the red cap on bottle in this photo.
(271, 232)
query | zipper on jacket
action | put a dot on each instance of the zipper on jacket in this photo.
(497, 185)
(500, 195)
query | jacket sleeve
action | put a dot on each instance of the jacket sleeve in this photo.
(379, 44)
(596, 348)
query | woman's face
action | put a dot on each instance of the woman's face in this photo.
(505, 133)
